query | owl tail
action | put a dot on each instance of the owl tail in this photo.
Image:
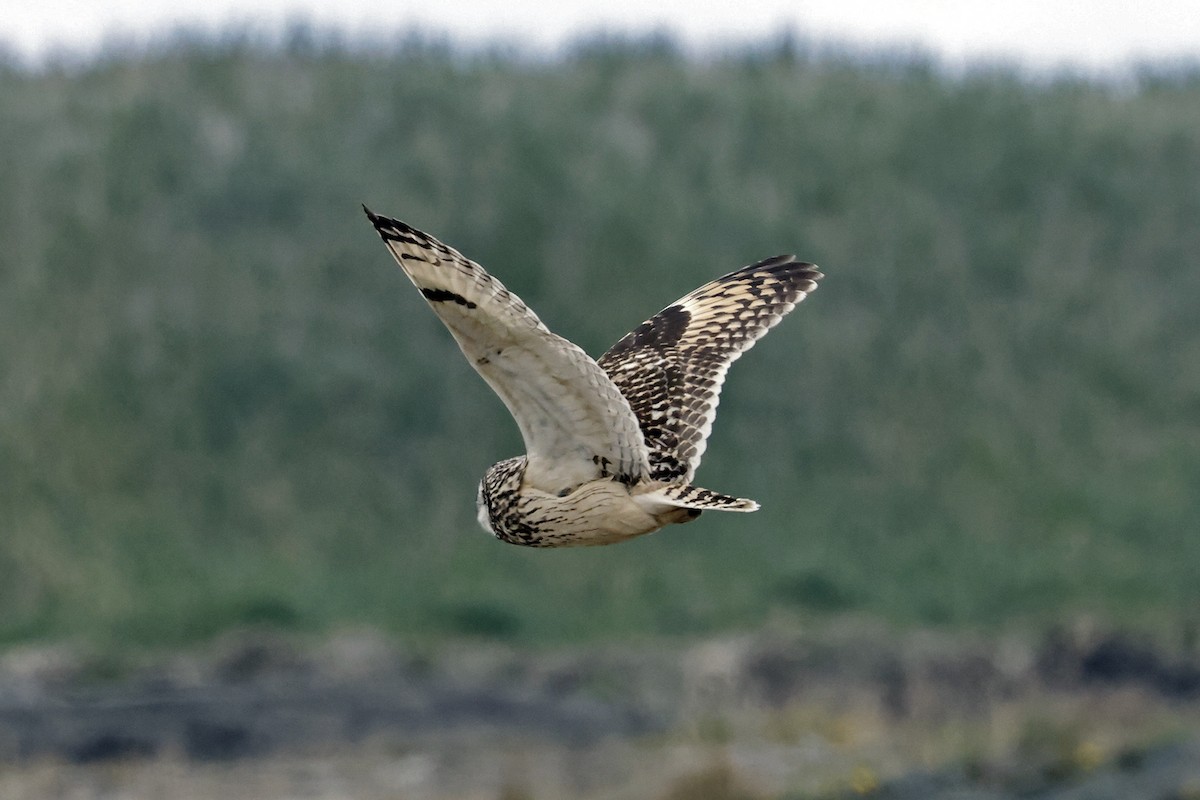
(683, 495)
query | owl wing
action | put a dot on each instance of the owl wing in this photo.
(672, 366)
(577, 425)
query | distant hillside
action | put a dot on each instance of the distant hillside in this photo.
(221, 403)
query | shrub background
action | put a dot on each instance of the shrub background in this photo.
(221, 403)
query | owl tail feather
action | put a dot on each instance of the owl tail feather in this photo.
(683, 495)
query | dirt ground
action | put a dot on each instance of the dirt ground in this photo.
(780, 714)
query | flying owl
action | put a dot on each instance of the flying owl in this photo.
(611, 444)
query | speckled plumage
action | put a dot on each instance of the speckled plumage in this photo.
(612, 445)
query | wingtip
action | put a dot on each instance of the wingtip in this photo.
(808, 266)
(382, 223)
(785, 263)
(386, 227)
(809, 271)
(806, 273)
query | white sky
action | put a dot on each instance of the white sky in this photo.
(1088, 34)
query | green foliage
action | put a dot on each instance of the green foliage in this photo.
(220, 403)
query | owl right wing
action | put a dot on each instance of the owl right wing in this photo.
(576, 424)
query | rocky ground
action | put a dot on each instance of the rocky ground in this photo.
(855, 712)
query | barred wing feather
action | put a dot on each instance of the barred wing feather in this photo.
(671, 367)
(577, 425)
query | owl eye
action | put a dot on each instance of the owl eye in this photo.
(566, 491)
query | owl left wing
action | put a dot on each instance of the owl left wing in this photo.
(576, 424)
(671, 367)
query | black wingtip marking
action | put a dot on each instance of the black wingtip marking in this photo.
(786, 270)
(392, 229)
(442, 295)
(783, 260)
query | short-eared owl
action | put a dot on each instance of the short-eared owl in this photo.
(612, 444)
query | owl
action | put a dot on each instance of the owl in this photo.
(612, 444)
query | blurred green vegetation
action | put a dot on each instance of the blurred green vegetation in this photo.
(222, 404)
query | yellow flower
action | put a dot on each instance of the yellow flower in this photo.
(863, 780)
(1088, 754)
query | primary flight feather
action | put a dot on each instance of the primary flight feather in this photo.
(611, 444)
